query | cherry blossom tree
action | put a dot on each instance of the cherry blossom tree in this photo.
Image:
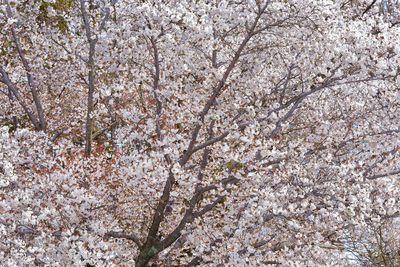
(377, 246)
(212, 133)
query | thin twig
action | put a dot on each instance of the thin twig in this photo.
(373, 177)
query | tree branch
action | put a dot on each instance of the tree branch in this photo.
(373, 177)
(384, 156)
(297, 100)
(69, 51)
(208, 207)
(220, 86)
(33, 87)
(124, 235)
(199, 191)
(160, 210)
(192, 142)
(156, 79)
(107, 15)
(14, 90)
(210, 142)
(368, 7)
(92, 78)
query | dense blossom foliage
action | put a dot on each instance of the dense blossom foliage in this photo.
(218, 133)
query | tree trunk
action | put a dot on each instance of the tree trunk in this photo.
(89, 123)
